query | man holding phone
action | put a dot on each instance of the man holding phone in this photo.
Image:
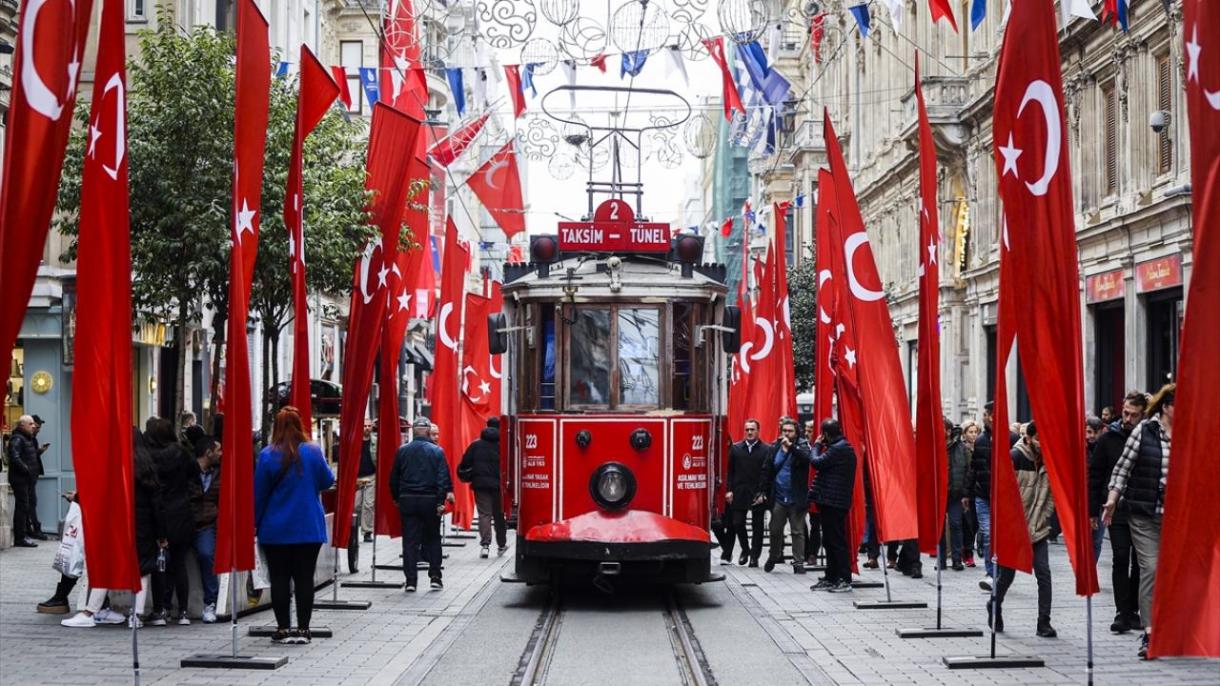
(785, 484)
(36, 525)
(22, 476)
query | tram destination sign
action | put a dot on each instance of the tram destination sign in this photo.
(613, 229)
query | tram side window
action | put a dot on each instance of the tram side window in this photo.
(683, 380)
(589, 349)
(639, 356)
(546, 390)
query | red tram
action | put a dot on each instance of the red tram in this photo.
(616, 339)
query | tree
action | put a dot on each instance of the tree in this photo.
(802, 294)
(180, 147)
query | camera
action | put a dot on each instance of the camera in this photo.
(1158, 120)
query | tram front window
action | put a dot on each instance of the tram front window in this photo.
(639, 356)
(589, 367)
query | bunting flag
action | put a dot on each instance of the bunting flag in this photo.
(978, 12)
(730, 96)
(387, 180)
(497, 184)
(46, 68)
(783, 320)
(1186, 600)
(675, 64)
(771, 85)
(1036, 189)
(281, 70)
(317, 94)
(368, 81)
(403, 81)
(451, 147)
(817, 32)
(478, 84)
(632, 63)
(942, 10)
(931, 458)
(527, 79)
(101, 398)
(235, 518)
(339, 74)
(889, 443)
(444, 396)
(860, 12)
(512, 72)
(1075, 8)
(457, 88)
(386, 519)
(599, 61)
(1114, 12)
(569, 76)
(895, 8)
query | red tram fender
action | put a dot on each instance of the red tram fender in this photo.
(628, 526)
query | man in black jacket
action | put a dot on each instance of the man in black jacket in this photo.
(745, 466)
(959, 475)
(980, 488)
(784, 484)
(22, 459)
(835, 462)
(480, 467)
(1125, 573)
(420, 484)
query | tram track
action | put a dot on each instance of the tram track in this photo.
(535, 663)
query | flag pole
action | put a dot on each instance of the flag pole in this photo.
(135, 645)
(233, 607)
(1088, 609)
(334, 603)
(939, 630)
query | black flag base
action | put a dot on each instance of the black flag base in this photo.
(270, 629)
(933, 632)
(234, 662)
(375, 584)
(856, 583)
(996, 662)
(342, 605)
(890, 605)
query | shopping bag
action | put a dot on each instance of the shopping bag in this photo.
(260, 578)
(70, 558)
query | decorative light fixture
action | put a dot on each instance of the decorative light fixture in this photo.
(41, 382)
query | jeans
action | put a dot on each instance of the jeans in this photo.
(491, 510)
(365, 503)
(1146, 535)
(1099, 535)
(970, 529)
(1042, 572)
(291, 568)
(954, 511)
(756, 524)
(172, 580)
(205, 554)
(794, 517)
(982, 508)
(421, 534)
(834, 537)
(1125, 574)
(34, 525)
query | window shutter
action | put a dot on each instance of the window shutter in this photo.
(1110, 112)
(1163, 102)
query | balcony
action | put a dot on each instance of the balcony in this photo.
(944, 96)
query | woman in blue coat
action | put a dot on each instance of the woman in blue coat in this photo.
(291, 525)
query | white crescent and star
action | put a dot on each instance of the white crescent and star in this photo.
(768, 338)
(489, 174)
(823, 277)
(1194, 51)
(37, 94)
(850, 246)
(120, 125)
(1041, 92)
(365, 261)
(442, 327)
(245, 219)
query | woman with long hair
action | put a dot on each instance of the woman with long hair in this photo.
(291, 525)
(970, 522)
(1138, 480)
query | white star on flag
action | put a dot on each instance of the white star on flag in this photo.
(94, 134)
(1193, 49)
(485, 387)
(245, 218)
(850, 356)
(404, 301)
(1010, 153)
(381, 276)
(932, 252)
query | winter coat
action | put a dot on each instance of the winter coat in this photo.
(744, 471)
(798, 459)
(287, 508)
(150, 525)
(482, 459)
(1143, 489)
(959, 469)
(1035, 488)
(367, 466)
(174, 471)
(420, 469)
(836, 465)
(22, 457)
(205, 505)
(1106, 451)
(980, 464)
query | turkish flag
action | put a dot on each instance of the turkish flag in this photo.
(46, 69)
(317, 94)
(931, 458)
(339, 74)
(235, 519)
(101, 377)
(827, 303)
(497, 184)
(445, 152)
(387, 180)
(445, 395)
(389, 434)
(730, 96)
(941, 10)
(1031, 154)
(421, 280)
(404, 86)
(739, 375)
(599, 61)
(762, 361)
(495, 363)
(783, 320)
(889, 443)
(1186, 601)
(512, 72)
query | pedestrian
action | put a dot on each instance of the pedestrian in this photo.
(35, 525)
(205, 504)
(1093, 429)
(835, 462)
(22, 477)
(288, 516)
(434, 432)
(784, 483)
(1139, 480)
(420, 484)
(980, 491)
(1034, 485)
(956, 500)
(175, 470)
(480, 467)
(1107, 415)
(741, 479)
(57, 604)
(813, 535)
(970, 522)
(1125, 565)
(366, 476)
(871, 544)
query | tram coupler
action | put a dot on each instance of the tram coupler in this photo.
(609, 568)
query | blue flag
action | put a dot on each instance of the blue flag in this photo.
(368, 80)
(768, 82)
(454, 76)
(978, 11)
(860, 12)
(281, 70)
(633, 62)
(527, 79)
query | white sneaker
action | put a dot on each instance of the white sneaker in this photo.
(209, 614)
(183, 620)
(108, 616)
(985, 584)
(80, 620)
(483, 552)
(135, 622)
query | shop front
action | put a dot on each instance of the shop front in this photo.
(1105, 296)
(1159, 285)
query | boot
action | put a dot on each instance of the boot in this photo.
(1119, 625)
(999, 617)
(1045, 630)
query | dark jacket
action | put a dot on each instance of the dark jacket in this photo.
(367, 466)
(204, 504)
(980, 465)
(174, 471)
(798, 458)
(148, 513)
(1106, 451)
(22, 457)
(836, 478)
(420, 469)
(482, 459)
(1143, 490)
(959, 469)
(744, 471)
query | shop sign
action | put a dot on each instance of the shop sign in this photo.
(1104, 286)
(150, 333)
(1154, 275)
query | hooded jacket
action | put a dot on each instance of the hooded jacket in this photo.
(482, 459)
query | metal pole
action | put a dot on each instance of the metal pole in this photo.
(885, 571)
(374, 577)
(334, 577)
(233, 606)
(995, 581)
(1088, 605)
(945, 541)
(135, 645)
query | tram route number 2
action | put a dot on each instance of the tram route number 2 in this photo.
(613, 229)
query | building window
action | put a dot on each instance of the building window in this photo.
(351, 56)
(135, 10)
(225, 16)
(1109, 108)
(1164, 100)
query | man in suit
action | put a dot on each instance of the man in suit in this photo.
(744, 469)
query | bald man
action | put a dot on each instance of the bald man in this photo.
(22, 457)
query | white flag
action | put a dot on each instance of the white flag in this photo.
(675, 63)
(569, 71)
(1076, 8)
(895, 13)
(478, 83)
(774, 36)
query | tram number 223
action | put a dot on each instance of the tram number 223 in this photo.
(696, 442)
(531, 441)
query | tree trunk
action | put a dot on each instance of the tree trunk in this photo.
(267, 412)
(184, 349)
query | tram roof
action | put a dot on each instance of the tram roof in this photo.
(614, 277)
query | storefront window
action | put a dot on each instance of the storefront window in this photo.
(639, 356)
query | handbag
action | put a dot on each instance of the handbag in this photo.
(70, 557)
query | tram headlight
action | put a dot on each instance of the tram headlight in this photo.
(612, 486)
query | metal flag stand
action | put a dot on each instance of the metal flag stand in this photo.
(334, 603)
(940, 631)
(135, 646)
(889, 603)
(373, 582)
(993, 661)
(233, 660)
